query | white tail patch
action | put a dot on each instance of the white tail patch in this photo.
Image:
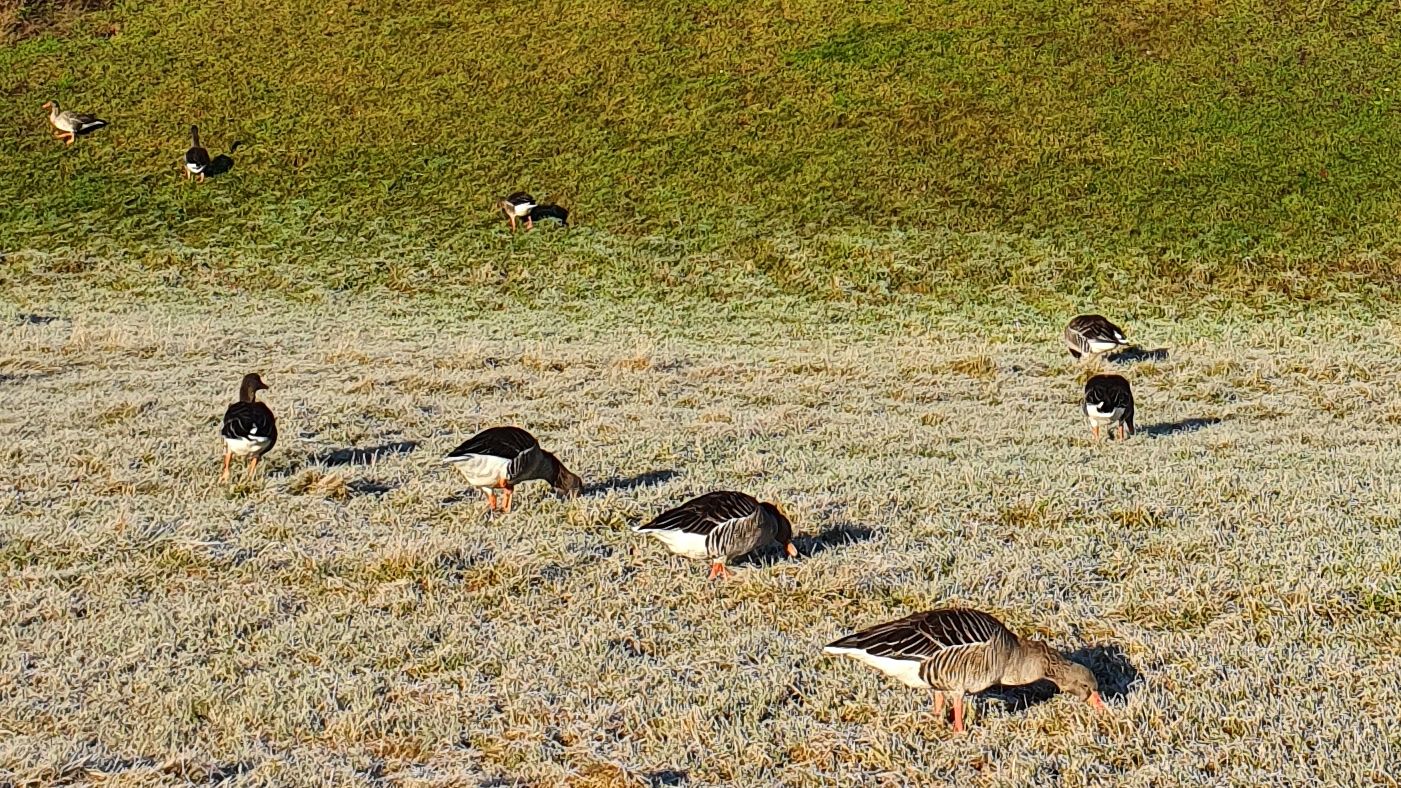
(681, 543)
(906, 671)
(480, 470)
(245, 446)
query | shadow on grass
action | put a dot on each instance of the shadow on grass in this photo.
(1132, 354)
(37, 320)
(1117, 678)
(628, 483)
(354, 456)
(222, 163)
(667, 778)
(832, 537)
(1174, 427)
(369, 487)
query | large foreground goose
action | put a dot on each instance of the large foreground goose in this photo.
(1091, 335)
(249, 429)
(1109, 403)
(499, 458)
(197, 157)
(721, 526)
(70, 124)
(958, 651)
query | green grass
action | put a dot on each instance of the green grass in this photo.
(1168, 150)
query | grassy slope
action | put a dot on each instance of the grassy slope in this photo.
(1197, 145)
(1235, 586)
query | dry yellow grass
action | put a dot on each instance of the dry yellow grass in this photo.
(353, 615)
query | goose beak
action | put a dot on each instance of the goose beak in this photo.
(1098, 702)
(791, 550)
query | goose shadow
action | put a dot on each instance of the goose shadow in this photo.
(222, 163)
(1116, 675)
(1130, 355)
(667, 778)
(37, 320)
(629, 483)
(831, 538)
(1183, 425)
(356, 456)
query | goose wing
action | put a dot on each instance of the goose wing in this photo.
(505, 442)
(924, 636)
(249, 421)
(707, 514)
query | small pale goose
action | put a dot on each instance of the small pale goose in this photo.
(249, 430)
(721, 526)
(959, 651)
(70, 124)
(1109, 403)
(1091, 335)
(196, 158)
(499, 458)
(517, 205)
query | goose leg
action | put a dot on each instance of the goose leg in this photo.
(512, 217)
(228, 457)
(717, 569)
(252, 469)
(506, 497)
(958, 714)
(491, 500)
(1094, 431)
(1123, 432)
(938, 706)
(529, 223)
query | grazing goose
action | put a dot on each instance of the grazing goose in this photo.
(249, 429)
(499, 458)
(196, 158)
(542, 213)
(720, 526)
(1091, 335)
(954, 652)
(1109, 403)
(516, 205)
(70, 124)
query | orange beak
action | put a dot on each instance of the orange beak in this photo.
(1098, 702)
(791, 550)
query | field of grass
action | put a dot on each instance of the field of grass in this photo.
(1173, 149)
(1230, 573)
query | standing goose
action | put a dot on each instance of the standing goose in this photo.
(720, 526)
(1109, 403)
(955, 652)
(196, 158)
(499, 458)
(1091, 335)
(516, 205)
(70, 124)
(249, 429)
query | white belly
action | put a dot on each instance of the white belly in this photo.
(906, 671)
(682, 543)
(1101, 346)
(243, 447)
(195, 168)
(1103, 417)
(482, 470)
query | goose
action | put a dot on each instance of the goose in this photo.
(69, 123)
(516, 205)
(542, 213)
(499, 458)
(249, 429)
(196, 158)
(1109, 403)
(720, 526)
(955, 651)
(1091, 335)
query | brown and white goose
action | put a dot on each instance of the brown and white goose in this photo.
(517, 205)
(249, 429)
(1109, 403)
(959, 651)
(70, 124)
(197, 157)
(1091, 335)
(721, 526)
(499, 458)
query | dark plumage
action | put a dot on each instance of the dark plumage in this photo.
(196, 158)
(720, 526)
(249, 429)
(499, 458)
(958, 651)
(1089, 335)
(1109, 403)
